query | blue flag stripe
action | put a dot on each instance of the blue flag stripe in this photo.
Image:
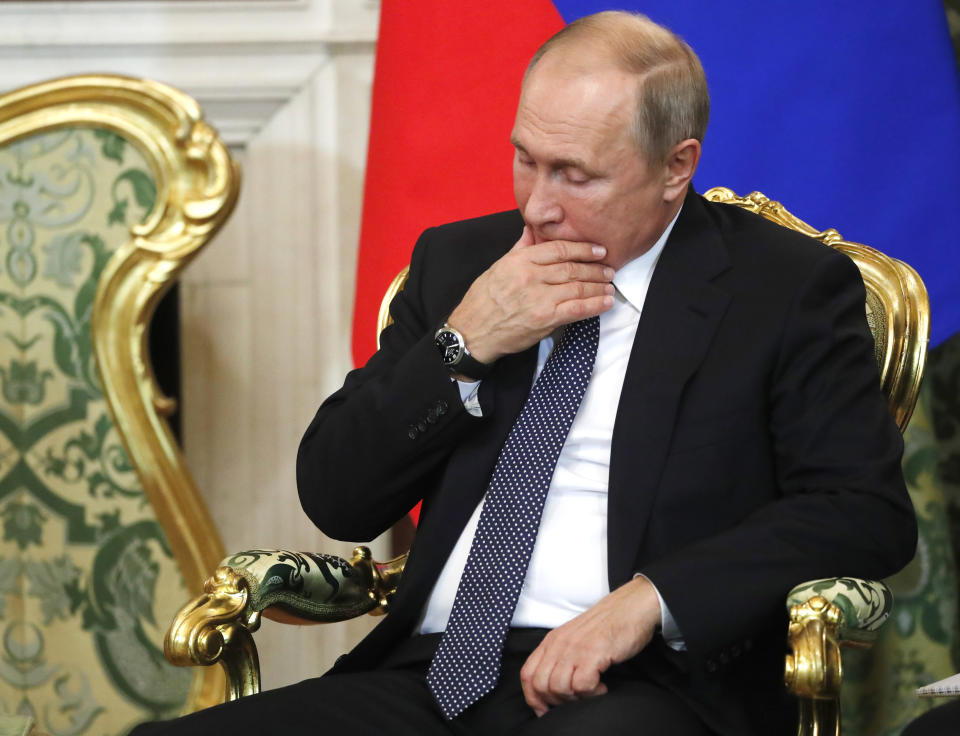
(849, 113)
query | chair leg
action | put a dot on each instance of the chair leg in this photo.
(819, 717)
(814, 671)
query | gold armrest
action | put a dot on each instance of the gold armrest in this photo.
(826, 615)
(288, 587)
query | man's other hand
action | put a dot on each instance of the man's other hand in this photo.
(529, 292)
(570, 660)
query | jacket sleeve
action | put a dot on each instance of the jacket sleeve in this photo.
(842, 509)
(375, 445)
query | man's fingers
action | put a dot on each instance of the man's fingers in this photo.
(534, 699)
(566, 271)
(600, 689)
(542, 679)
(585, 682)
(557, 251)
(560, 684)
(580, 290)
(576, 309)
(527, 674)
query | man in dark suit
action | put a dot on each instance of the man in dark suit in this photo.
(751, 447)
(731, 442)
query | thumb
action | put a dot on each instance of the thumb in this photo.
(526, 238)
(600, 689)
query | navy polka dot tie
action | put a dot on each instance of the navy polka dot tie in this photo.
(466, 665)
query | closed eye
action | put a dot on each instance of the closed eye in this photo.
(523, 159)
(576, 177)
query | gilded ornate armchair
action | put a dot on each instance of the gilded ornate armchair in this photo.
(825, 615)
(108, 187)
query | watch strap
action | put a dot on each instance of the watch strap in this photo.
(471, 367)
(465, 364)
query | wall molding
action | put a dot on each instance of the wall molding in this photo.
(241, 60)
(180, 21)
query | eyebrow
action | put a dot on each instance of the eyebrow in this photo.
(561, 163)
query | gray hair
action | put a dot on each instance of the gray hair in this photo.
(673, 102)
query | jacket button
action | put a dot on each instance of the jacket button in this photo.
(431, 417)
(422, 426)
(724, 658)
(412, 432)
(711, 666)
(735, 650)
(441, 407)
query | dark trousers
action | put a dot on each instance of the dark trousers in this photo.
(394, 701)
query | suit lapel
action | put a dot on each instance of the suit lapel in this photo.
(679, 318)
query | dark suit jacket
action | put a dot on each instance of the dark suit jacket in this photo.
(752, 448)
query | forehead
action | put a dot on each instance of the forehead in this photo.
(572, 105)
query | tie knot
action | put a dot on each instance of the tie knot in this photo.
(583, 330)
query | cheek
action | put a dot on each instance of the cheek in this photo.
(591, 211)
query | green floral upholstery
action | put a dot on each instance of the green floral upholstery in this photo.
(865, 604)
(312, 586)
(87, 580)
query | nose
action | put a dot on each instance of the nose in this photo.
(543, 207)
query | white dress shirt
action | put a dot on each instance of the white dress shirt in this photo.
(568, 567)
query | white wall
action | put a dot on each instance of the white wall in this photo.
(266, 309)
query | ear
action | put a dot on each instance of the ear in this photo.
(680, 166)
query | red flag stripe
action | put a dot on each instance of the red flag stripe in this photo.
(445, 90)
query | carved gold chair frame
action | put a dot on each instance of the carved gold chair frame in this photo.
(898, 312)
(197, 186)
(218, 625)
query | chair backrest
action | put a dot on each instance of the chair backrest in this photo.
(383, 316)
(898, 310)
(108, 188)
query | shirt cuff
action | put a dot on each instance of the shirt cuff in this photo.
(668, 626)
(468, 395)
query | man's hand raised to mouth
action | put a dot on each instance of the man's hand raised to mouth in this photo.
(529, 292)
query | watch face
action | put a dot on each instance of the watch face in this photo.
(449, 345)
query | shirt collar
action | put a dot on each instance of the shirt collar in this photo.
(632, 280)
